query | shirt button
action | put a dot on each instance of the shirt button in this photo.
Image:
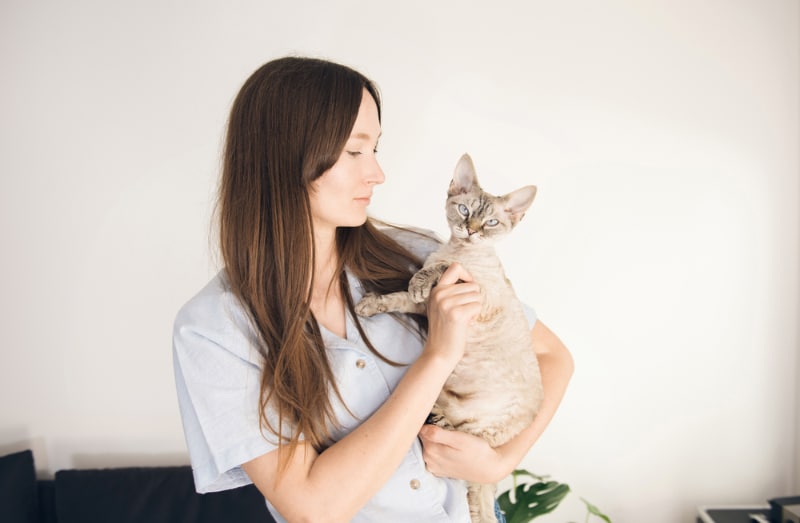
(361, 364)
(414, 484)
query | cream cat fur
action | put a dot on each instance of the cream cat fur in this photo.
(495, 391)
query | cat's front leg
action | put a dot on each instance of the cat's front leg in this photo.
(372, 304)
(424, 280)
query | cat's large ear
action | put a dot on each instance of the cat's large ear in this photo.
(464, 178)
(517, 202)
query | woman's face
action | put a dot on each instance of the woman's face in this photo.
(340, 196)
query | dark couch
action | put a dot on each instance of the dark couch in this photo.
(119, 495)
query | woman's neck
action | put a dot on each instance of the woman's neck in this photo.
(326, 260)
(327, 302)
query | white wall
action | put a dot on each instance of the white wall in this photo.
(663, 245)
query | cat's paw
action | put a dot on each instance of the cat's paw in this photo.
(420, 285)
(419, 288)
(370, 305)
(436, 417)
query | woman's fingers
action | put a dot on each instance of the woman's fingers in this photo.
(457, 301)
(455, 273)
(459, 455)
(453, 304)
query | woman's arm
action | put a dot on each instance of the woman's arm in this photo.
(310, 488)
(463, 456)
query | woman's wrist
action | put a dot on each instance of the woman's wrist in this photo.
(433, 356)
(505, 464)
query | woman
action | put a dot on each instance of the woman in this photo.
(279, 383)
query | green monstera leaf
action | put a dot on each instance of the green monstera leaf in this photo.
(527, 501)
(531, 500)
(595, 511)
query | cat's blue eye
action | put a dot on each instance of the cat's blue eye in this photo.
(492, 222)
(462, 209)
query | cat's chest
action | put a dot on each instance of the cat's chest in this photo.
(485, 268)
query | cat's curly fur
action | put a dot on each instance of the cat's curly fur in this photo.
(495, 390)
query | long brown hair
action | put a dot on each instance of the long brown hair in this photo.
(288, 125)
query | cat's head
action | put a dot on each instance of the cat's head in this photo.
(477, 216)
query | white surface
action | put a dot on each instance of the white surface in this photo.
(662, 245)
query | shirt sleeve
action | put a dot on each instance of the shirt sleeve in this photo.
(419, 242)
(530, 314)
(218, 377)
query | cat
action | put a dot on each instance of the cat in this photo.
(495, 390)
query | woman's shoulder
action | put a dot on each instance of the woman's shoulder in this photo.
(213, 297)
(214, 313)
(418, 241)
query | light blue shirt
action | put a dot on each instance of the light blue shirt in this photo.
(218, 373)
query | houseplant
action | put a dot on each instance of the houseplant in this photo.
(528, 499)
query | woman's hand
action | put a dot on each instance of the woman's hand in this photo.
(463, 456)
(452, 305)
(453, 454)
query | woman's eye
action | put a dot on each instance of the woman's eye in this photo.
(354, 153)
(462, 210)
(492, 222)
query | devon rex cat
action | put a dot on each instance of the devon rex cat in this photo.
(495, 390)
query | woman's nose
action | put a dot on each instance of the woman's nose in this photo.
(375, 173)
